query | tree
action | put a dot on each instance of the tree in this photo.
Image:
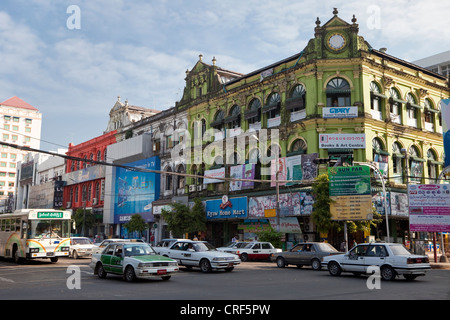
(83, 217)
(136, 224)
(181, 220)
(321, 214)
(272, 236)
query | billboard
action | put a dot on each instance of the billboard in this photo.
(351, 193)
(429, 207)
(135, 190)
(342, 141)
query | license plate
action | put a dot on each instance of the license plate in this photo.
(50, 254)
(230, 264)
(163, 271)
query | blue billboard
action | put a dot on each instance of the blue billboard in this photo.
(135, 190)
(226, 208)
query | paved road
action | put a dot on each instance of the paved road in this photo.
(38, 280)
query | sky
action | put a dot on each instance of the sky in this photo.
(71, 59)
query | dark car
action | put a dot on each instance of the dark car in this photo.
(307, 253)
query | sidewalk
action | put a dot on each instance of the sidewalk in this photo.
(438, 264)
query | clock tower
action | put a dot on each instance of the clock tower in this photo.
(337, 38)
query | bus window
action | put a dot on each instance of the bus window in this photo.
(24, 230)
(49, 229)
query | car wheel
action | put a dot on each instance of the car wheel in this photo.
(166, 278)
(101, 271)
(229, 269)
(334, 269)
(244, 257)
(129, 275)
(388, 273)
(281, 263)
(315, 264)
(74, 254)
(205, 266)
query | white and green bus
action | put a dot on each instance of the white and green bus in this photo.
(35, 233)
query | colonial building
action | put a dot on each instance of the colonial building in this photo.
(337, 99)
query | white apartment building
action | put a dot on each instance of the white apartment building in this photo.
(439, 63)
(20, 124)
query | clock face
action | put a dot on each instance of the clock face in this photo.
(336, 41)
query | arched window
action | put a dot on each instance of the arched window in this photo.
(180, 178)
(296, 103)
(415, 165)
(378, 152)
(412, 110)
(234, 118)
(219, 124)
(273, 110)
(338, 93)
(429, 115)
(376, 99)
(432, 166)
(168, 179)
(397, 163)
(395, 106)
(299, 146)
(253, 114)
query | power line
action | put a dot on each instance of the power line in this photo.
(130, 168)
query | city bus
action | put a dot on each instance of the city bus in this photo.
(35, 233)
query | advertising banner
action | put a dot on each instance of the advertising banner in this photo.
(429, 207)
(342, 141)
(215, 173)
(226, 208)
(351, 193)
(291, 204)
(243, 171)
(295, 168)
(445, 112)
(136, 190)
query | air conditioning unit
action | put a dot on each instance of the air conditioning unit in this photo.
(200, 187)
(192, 188)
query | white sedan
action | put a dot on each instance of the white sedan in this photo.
(191, 253)
(392, 258)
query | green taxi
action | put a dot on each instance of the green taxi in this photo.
(132, 260)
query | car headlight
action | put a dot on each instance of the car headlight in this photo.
(34, 250)
(65, 248)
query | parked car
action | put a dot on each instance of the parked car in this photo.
(392, 258)
(80, 247)
(166, 242)
(231, 246)
(192, 253)
(100, 247)
(256, 250)
(132, 260)
(308, 253)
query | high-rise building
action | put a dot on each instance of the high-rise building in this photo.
(20, 124)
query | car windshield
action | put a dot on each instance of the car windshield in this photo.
(138, 250)
(81, 241)
(323, 246)
(399, 250)
(203, 246)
